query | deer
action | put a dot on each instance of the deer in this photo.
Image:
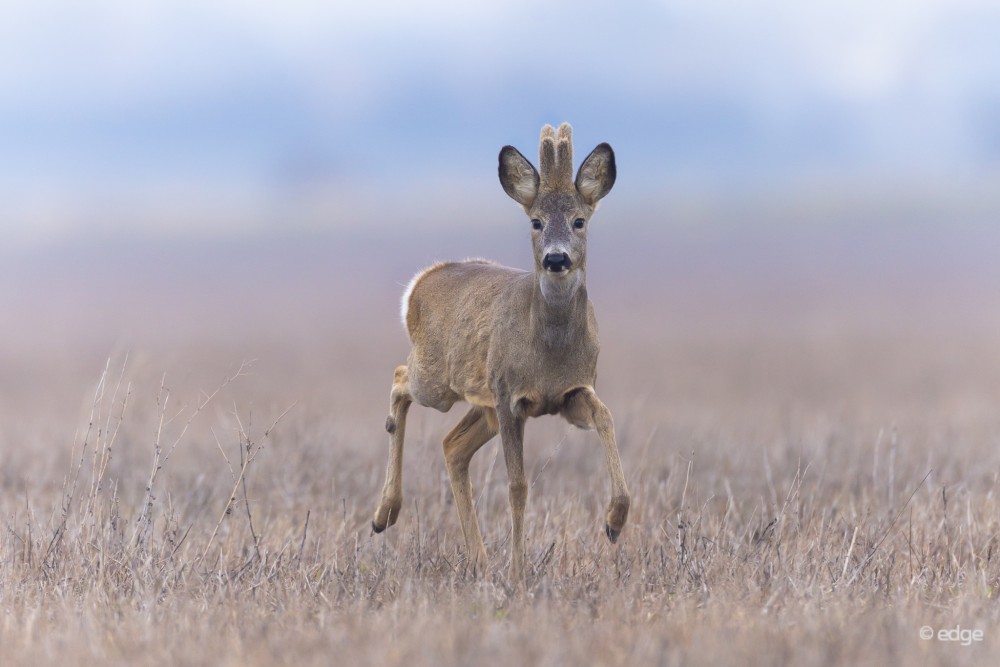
(512, 344)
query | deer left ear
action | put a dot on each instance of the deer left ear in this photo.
(597, 174)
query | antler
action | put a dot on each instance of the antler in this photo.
(547, 155)
(564, 155)
(556, 158)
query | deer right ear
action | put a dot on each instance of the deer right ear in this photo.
(518, 177)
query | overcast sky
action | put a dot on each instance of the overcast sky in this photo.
(231, 104)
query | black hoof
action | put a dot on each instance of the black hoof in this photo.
(376, 529)
(611, 533)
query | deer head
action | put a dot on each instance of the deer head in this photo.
(559, 206)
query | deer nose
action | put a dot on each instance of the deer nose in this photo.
(556, 261)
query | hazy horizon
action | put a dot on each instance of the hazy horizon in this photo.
(234, 119)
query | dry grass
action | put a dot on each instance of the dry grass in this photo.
(803, 494)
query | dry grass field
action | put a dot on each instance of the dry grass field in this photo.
(808, 421)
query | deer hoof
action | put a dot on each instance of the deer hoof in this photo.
(611, 533)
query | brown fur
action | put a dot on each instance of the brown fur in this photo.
(513, 344)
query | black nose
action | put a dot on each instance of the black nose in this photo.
(556, 261)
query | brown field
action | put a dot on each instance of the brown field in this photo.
(808, 419)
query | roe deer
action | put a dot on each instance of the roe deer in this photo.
(514, 344)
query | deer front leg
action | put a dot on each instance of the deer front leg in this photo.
(585, 410)
(392, 492)
(474, 431)
(512, 435)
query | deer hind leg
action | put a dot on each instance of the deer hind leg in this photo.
(477, 427)
(585, 410)
(392, 492)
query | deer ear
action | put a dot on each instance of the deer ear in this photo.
(518, 177)
(597, 174)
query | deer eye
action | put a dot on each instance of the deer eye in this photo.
(536, 224)
(578, 223)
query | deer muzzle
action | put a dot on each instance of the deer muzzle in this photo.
(556, 262)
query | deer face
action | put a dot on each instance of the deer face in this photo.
(558, 206)
(559, 232)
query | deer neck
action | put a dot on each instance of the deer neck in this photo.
(559, 308)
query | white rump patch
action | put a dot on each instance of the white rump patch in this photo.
(404, 303)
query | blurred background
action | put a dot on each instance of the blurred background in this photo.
(205, 119)
(253, 174)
